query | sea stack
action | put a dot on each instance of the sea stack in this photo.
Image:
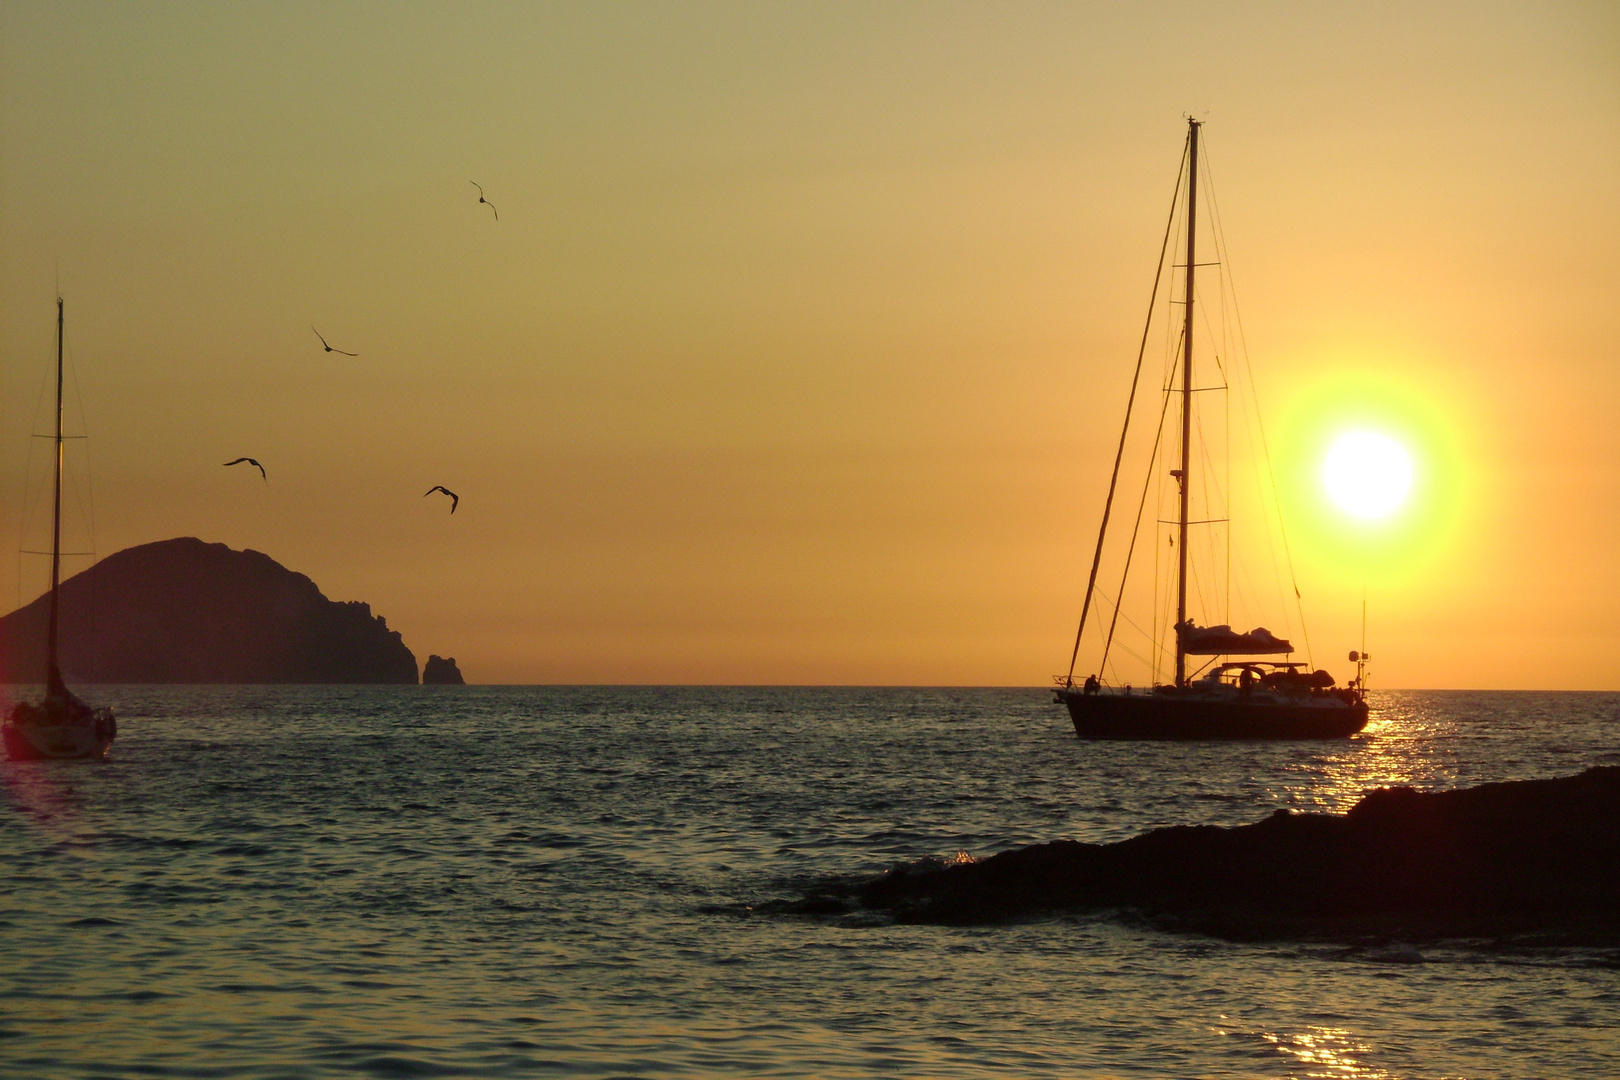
(442, 671)
(185, 611)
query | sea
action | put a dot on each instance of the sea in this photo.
(401, 882)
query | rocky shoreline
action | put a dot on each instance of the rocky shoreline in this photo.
(1536, 857)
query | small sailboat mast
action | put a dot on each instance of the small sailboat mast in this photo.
(1183, 474)
(61, 726)
(53, 673)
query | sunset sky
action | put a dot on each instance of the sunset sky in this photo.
(799, 350)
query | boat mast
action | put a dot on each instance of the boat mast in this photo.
(53, 674)
(1186, 396)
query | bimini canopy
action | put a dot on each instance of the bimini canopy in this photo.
(1224, 641)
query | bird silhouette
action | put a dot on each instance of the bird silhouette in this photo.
(253, 462)
(329, 348)
(485, 201)
(455, 500)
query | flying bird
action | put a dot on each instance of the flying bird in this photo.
(329, 348)
(485, 201)
(253, 462)
(455, 500)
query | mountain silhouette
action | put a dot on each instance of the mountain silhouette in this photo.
(186, 611)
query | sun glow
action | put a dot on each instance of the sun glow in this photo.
(1367, 474)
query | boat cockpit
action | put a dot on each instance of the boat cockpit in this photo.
(1289, 678)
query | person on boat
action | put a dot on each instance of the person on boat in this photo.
(1092, 685)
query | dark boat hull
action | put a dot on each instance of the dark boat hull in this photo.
(1184, 717)
(58, 728)
(24, 743)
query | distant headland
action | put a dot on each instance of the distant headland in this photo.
(186, 611)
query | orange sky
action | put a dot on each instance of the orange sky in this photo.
(798, 352)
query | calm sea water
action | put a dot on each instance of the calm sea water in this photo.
(542, 881)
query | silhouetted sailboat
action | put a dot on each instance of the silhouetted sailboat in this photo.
(60, 726)
(1243, 699)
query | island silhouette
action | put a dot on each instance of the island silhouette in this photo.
(442, 671)
(187, 611)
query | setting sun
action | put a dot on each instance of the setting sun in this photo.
(1367, 474)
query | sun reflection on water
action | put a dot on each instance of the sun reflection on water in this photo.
(1328, 1053)
(1405, 743)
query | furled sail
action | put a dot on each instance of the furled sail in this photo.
(1224, 641)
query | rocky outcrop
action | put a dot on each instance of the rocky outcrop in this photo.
(442, 671)
(1532, 856)
(185, 611)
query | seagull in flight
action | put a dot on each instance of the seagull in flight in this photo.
(485, 201)
(455, 500)
(329, 348)
(253, 462)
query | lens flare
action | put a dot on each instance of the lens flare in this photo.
(1367, 474)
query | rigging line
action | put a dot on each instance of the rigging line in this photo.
(1221, 502)
(1220, 239)
(1154, 612)
(1209, 328)
(1164, 558)
(1228, 378)
(1114, 605)
(1130, 405)
(1266, 532)
(1206, 537)
(1112, 676)
(1138, 657)
(30, 497)
(89, 510)
(1217, 498)
(1130, 551)
(1215, 489)
(1214, 492)
(1259, 419)
(1130, 651)
(1271, 511)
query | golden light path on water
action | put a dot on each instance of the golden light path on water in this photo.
(1396, 748)
(1321, 1052)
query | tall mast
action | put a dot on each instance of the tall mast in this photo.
(1186, 396)
(53, 675)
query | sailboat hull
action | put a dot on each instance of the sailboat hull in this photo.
(56, 742)
(1176, 716)
(58, 728)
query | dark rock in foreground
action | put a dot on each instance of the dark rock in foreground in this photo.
(1532, 856)
(184, 611)
(442, 671)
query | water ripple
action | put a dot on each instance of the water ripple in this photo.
(341, 881)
